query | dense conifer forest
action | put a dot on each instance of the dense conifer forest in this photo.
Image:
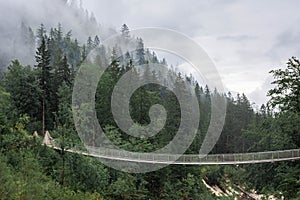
(38, 97)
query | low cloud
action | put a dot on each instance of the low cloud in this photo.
(259, 95)
(237, 38)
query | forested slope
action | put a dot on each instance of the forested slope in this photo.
(38, 98)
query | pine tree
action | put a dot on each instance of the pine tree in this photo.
(22, 85)
(125, 32)
(59, 33)
(140, 52)
(164, 62)
(83, 54)
(114, 67)
(62, 72)
(74, 55)
(154, 58)
(89, 45)
(96, 41)
(44, 76)
(41, 32)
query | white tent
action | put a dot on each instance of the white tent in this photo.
(48, 140)
(35, 134)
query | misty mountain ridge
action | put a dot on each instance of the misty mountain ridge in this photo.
(21, 19)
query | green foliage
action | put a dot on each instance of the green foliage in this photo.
(90, 174)
(4, 110)
(29, 96)
(127, 187)
(274, 133)
(22, 84)
(278, 132)
(286, 94)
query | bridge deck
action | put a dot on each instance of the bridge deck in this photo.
(186, 159)
(192, 159)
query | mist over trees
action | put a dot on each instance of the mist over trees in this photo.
(37, 97)
(18, 35)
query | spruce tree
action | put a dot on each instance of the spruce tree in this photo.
(89, 45)
(41, 32)
(125, 32)
(96, 41)
(140, 52)
(44, 77)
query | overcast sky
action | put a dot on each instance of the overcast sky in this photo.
(245, 39)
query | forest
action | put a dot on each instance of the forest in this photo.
(37, 76)
(39, 98)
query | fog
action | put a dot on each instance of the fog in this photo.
(18, 15)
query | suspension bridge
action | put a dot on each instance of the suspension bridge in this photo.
(185, 159)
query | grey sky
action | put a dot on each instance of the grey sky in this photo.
(245, 39)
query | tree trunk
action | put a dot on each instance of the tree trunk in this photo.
(63, 159)
(43, 113)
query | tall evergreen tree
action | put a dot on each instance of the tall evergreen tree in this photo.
(89, 45)
(140, 52)
(41, 32)
(23, 86)
(96, 41)
(125, 32)
(44, 77)
(83, 54)
(62, 72)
